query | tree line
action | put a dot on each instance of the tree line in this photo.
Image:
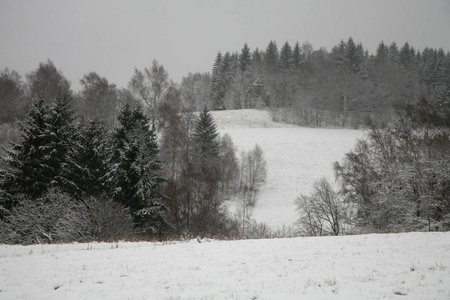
(345, 87)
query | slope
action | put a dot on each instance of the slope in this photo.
(296, 157)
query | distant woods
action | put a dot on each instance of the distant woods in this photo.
(346, 86)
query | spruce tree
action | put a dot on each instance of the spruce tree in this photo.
(245, 58)
(90, 157)
(286, 56)
(206, 134)
(271, 55)
(134, 174)
(296, 55)
(42, 159)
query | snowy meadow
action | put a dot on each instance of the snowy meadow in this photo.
(296, 157)
(375, 266)
(389, 266)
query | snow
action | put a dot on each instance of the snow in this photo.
(389, 266)
(416, 265)
(296, 157)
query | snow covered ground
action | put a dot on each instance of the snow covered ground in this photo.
(390, 266)
(296, 157)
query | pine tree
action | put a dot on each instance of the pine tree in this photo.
(296, 55)
(61, 145)
(286, 56)
(382, 53)
(271, 55)
(135, 170)
(42, 159)
(245, 58)
(393, 52)
(257, 57)
(23, 160)
(206, 134)
(353, 55)
(218, 86)
(90, 157)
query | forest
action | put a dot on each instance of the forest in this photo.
(146, 161)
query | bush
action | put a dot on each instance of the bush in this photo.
(56, 217)
(95, 220)
(33, 221)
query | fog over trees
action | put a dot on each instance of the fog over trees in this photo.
(150, 157)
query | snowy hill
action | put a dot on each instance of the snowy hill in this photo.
(296, 157)
(375, 266)
(391, 266)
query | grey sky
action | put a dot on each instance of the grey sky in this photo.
(112, 37)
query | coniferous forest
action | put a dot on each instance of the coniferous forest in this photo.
(147, 162)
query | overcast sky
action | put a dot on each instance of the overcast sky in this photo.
(112, 37)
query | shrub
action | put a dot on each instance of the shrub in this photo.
(56, 217)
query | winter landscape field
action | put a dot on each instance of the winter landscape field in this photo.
(389, 266)
(296, 157)
(375, 266)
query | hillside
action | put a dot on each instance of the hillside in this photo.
(413, 265)
(296, 157)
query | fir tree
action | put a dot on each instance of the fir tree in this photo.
(245, 58)
(218, 89)
(135, 170)
(90, 156)
(285, 60)
(271, 55)
(296, 55)
(42, 159)
(382, 53)
(206, 134)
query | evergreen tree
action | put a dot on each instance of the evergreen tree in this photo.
(245, 58)
(296, 55)
(406, 56)
(218, 88)
(271, 55)
(42, 159)
(382, 53)
(393, 52)
(353, 55)
(22, 174)
(286, 56)
(257, 57)
(135, 170)
(206, 134)
(90, 156)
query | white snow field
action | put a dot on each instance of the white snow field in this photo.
(296, 157)
(389, 266)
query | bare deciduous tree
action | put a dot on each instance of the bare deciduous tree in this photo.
(320, 212)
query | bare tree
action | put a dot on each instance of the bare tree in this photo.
(150, 87)
(321, 212)
(253, 169)
(246, 200)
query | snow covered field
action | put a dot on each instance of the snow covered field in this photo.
(296, 157)
(390, 266)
